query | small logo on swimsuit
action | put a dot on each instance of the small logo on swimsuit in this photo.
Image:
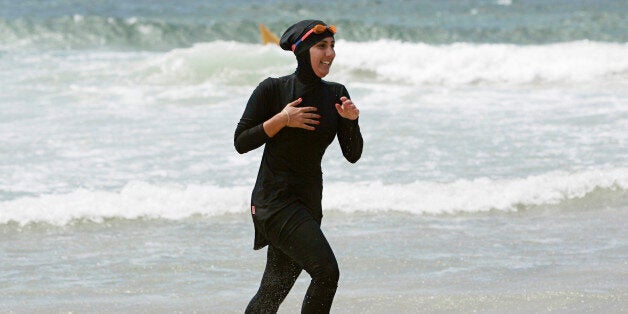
(253, 209)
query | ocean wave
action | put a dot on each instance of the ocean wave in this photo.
(478, 195)
(466, 63)
(401, 63)
(475, 25)
(87, 32)
(173, 202)
(379, 62)
(226, 62)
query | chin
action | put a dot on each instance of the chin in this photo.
(321, 74)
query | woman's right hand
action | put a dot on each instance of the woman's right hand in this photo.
(300, 117)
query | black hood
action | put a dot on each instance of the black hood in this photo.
(304, 72)
(296, 32)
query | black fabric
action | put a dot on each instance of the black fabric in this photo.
(286, 199)
(297, 243)
(290, 169)
(306, 74)
(296, 31)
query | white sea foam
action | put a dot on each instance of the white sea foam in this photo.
(403, 62)
(478, 195)
(135, 200)
(143, 200)
(466, 63)
(224, 63)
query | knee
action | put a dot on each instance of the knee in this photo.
(328, 274)
(334, 273)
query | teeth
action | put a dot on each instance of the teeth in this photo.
(326, 62)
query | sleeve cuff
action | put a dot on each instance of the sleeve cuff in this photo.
(349, 122)
(260, 134)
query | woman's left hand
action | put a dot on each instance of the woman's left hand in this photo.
(347, 110)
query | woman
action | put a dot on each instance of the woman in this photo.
(297, 116)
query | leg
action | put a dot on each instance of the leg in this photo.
(307, 245)
(279, 277)
(322, 266)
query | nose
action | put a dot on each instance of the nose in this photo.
(329, 52)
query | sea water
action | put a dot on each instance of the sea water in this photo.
(494, 176)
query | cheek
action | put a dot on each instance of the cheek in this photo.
(316, 56)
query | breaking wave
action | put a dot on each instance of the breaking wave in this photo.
(404, 63)
(140, 200)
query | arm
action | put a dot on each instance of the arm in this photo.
(349, 135)
(249, 133)
(254, 128)
(291, 116)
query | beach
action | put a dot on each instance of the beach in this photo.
(494, 176)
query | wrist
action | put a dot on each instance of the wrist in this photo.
(287, 116)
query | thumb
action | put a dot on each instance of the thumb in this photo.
(339, 108)
(295, 103)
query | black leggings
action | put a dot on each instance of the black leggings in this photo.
(296, 243)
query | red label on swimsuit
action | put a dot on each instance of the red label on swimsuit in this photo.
(253, 209)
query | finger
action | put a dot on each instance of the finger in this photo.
(307, 127)
(355, 114)
(311, 115)
(295, 103)
(308, 109)
(310, 121)
(343, 98)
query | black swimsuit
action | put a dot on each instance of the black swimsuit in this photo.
(286, 199)
(290, 169)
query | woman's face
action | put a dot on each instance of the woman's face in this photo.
(322, 54)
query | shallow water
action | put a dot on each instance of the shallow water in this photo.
(494, 176)
(544, 259)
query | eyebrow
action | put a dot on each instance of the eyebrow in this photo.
(326, 42)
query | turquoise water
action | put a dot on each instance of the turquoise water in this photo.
(162, 25)
(494, 174)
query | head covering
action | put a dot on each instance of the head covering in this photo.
(295, 32)
(292, 35)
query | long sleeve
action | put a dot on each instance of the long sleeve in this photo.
(349, 136)
(249, 133)
(350, 139)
